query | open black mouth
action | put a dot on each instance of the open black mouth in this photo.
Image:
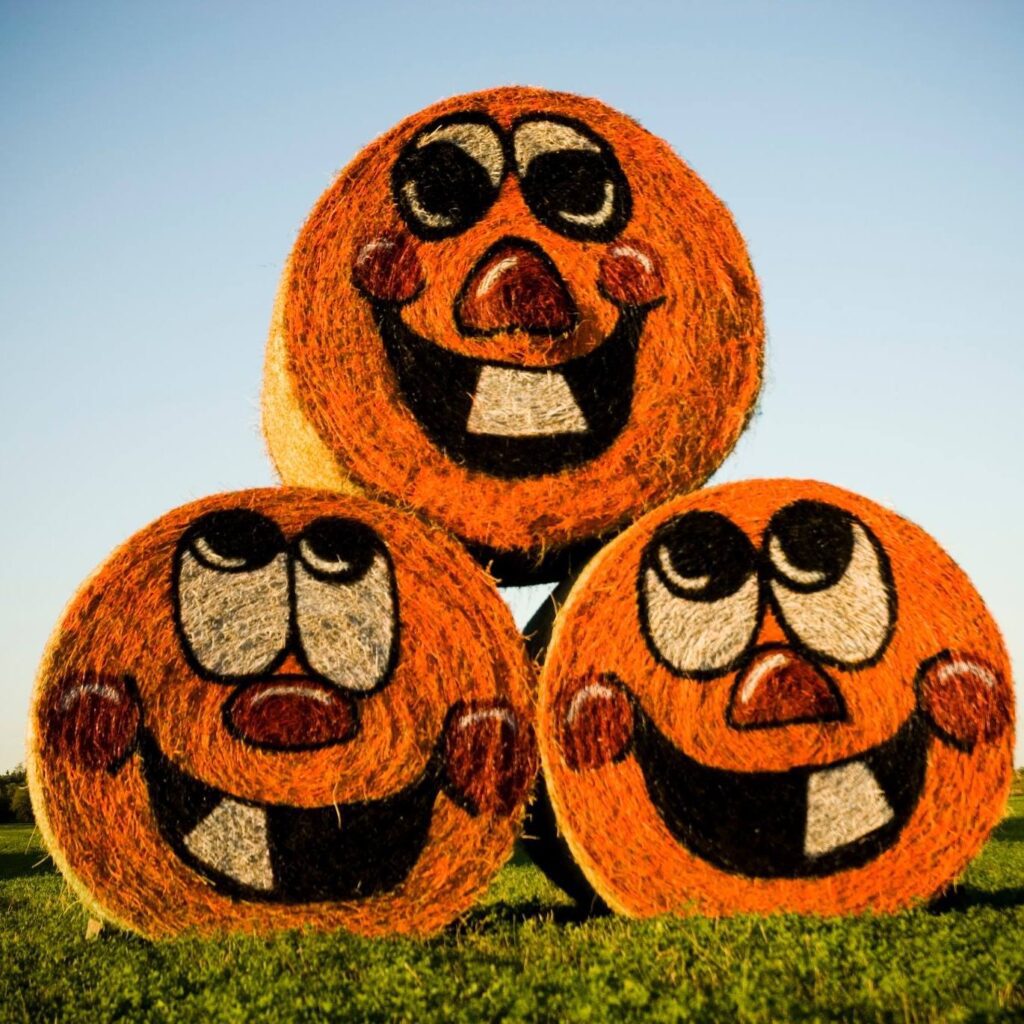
(511, 421)
(805, 822)
(282, 854)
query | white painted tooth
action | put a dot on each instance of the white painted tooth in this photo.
(843, 805)
(524, 403)
(232, 839)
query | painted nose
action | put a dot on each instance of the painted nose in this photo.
(289, 713)
(779, 687)
(515, 286)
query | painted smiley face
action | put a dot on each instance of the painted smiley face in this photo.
(274, 709)
(496, 315)
(792, 698)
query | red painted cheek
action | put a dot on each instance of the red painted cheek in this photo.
(92, 720)
(630, 274)
(596, 720)
(966, 699)
(490, 757)
(387, 269)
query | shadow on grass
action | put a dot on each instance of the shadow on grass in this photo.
(964, 897)
(21, 865)
(501, 915)
(1010, 831)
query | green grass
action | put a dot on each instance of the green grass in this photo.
(525, 955)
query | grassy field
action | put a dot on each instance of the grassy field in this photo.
(525, 955)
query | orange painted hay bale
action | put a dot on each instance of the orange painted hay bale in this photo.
(282, 708)
(775, 695)
(519, 313)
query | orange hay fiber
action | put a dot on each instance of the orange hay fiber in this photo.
(283, 708)
(519, 313)
(774, 696)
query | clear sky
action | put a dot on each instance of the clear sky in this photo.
(156, 162)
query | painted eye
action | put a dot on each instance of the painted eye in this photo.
(699, 594)
(571, 179)
(231, 589)
(340, 550)
(448, 177)
(235, 540)
(831, 581)
(346, 603)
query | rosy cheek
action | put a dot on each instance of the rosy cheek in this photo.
(596, 723)
(490, 757)
(966, 699)
(92, 720)
(388, 269)
(630, 274)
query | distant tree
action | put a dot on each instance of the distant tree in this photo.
(10, 783)
(21, 805)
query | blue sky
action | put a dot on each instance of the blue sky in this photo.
(157, 161)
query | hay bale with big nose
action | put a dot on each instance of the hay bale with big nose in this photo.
(283, 708)
(521, 314)
(775, 696)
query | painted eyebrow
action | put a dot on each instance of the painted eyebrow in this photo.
(479, 140)
(533, 138)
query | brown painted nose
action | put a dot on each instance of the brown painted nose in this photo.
(291, 713)
(515, 286)
(780, 688)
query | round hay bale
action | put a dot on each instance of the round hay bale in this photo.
(281, 708)
(775, 696)
(521, 314)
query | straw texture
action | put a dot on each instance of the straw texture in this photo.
(282, 708)
(494, 315)
(774, 695)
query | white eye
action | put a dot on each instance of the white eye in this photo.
(235, 622)
(348, 628)
(697, 637)
(699, 594)
(345, 602)
(832, 584)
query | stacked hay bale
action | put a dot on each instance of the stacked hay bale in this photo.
(283, 708)
(775, 695)
(516, 324)
(521, 314)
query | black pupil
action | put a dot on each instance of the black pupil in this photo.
(240, 534)
(570, 181)
(815, 537)
(578, 182)
(705, 544)
(344, 543)
(448, 183)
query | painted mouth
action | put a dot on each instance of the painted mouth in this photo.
(512, 421)
(277, 853)
(805, 822)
